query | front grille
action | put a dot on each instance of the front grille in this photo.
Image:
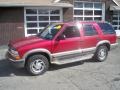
(10, 56)
(10, 48)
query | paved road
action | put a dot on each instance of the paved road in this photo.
(84, 75)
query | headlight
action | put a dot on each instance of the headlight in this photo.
(14, 52)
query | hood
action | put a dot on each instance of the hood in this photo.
(25, 41)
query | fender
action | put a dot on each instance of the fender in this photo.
(102, 42)
(38, 51)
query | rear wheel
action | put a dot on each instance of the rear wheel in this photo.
(101, 53)
(37, 64)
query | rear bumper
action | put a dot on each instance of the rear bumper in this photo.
(113, 46)
(17, 63)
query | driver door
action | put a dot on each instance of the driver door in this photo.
(70, 43)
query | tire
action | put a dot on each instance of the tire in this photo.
(101, 53)
(37, 65)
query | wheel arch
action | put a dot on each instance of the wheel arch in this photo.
(38, 51)
(104, 42)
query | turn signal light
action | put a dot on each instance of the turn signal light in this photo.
(17, 57)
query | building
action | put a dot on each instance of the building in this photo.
(22, 18)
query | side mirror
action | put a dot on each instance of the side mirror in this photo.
(61, 37)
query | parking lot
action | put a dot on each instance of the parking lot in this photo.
(83, 75)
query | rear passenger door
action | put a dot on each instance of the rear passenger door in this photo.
(91, 37)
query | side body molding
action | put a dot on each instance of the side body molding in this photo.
(40, 50)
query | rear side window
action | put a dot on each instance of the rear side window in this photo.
(106, 28)
(89, 30)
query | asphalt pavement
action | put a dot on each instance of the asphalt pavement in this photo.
(83, 75)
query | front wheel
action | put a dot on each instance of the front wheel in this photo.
(101, 53)
(37, 64)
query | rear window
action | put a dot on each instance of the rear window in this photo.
(106, 28)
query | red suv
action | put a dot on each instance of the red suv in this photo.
(62, 43)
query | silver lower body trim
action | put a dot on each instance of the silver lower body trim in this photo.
(71, 60)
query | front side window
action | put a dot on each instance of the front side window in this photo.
(89, 30)
(71, 31)
(50, 31)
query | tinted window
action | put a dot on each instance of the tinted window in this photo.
(71, 31)
(106, 28)
(89, 30)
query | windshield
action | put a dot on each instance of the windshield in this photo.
(50, 31)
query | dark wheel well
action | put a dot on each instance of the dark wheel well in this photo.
(37, 53)
(107, 45)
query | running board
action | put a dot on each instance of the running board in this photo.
(71, 60)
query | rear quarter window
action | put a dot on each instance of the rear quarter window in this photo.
(106, 28)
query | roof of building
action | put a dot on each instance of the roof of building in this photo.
(10, 3)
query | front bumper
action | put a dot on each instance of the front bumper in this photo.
(17, 63)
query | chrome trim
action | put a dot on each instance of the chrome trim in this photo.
(114, 44)
(73, 52)
(66, 53)
(84, 54)
(65, 61)
(89, 49)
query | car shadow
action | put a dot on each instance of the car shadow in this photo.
(7, 70)
(57, 67)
